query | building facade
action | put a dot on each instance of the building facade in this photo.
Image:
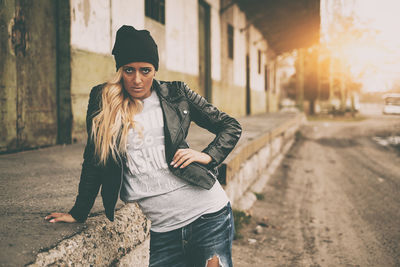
(209, 44)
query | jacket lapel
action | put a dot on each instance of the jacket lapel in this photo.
(171, 118)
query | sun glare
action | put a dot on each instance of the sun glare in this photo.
(368, 47)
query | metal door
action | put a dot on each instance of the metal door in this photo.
(28, 79)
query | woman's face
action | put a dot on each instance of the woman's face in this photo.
(138, 78)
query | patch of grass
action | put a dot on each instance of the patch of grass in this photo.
(240, 218)
(298, 135)
(259, 196)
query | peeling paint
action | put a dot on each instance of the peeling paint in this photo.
(86, 12)
(90, 25)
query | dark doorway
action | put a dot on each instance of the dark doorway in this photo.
(204, 50)
(248, 95)
(36, 80)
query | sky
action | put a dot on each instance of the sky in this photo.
(375, 62)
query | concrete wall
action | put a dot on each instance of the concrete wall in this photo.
(230, 94)
(250, 166)
(257, 85)
(91, 62)
(94, 24)
(8, 80)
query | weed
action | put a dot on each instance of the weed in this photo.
(240, 218)
(259, 196)
(298, 135)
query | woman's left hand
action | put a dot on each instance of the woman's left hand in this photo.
(184, 157)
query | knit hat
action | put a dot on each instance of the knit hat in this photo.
(132, 45)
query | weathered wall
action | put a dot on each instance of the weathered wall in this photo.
(229, 98)
(87, 70)
(230, 93)
(8, 80)
(215, 41)
(257, 83)
(256, 43)
(273, 94)
(93, 28)
(182, 40)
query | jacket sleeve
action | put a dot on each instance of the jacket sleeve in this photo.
(90, 179)
(226, 128)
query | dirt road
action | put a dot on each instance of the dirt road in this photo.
(335, 200)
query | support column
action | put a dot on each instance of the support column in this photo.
(300, 79)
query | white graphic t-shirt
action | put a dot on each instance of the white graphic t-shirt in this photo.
(167, 200)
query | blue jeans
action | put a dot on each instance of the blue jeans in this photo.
(194, 244)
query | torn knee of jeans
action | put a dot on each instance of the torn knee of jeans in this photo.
(214, 262)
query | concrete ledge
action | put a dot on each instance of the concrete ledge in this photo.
(104, 243)
(249, 167)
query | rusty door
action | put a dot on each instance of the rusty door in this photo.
(28, 84)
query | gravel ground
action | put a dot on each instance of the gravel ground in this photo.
(334, 201)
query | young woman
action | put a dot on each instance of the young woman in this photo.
(136, 150)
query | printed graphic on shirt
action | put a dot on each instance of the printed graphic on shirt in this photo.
(148, 169)
(148, 150)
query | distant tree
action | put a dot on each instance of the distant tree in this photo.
(344, 34)
(290, 87)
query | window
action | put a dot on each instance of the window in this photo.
(155, 9)
(230, 41)
(259, 61)
(266, 78)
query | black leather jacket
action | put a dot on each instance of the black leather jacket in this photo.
(180, 106)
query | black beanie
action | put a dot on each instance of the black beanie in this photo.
(132, 45)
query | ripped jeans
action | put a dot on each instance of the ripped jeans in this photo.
(196, 243)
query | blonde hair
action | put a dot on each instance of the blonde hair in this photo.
(110, 127)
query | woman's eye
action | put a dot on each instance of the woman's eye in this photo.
(146, 71)
(128, 70)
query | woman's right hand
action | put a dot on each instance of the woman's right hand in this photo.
(60, 217)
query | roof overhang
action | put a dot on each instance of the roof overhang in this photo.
(285, 24)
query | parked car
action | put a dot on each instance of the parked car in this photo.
(392, 104)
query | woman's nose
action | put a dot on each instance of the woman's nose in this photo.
(137, 79)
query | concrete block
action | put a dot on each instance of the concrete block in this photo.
(246, 201)
(276, 146)
(258, 186)
(129, 229)
(138, 257)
